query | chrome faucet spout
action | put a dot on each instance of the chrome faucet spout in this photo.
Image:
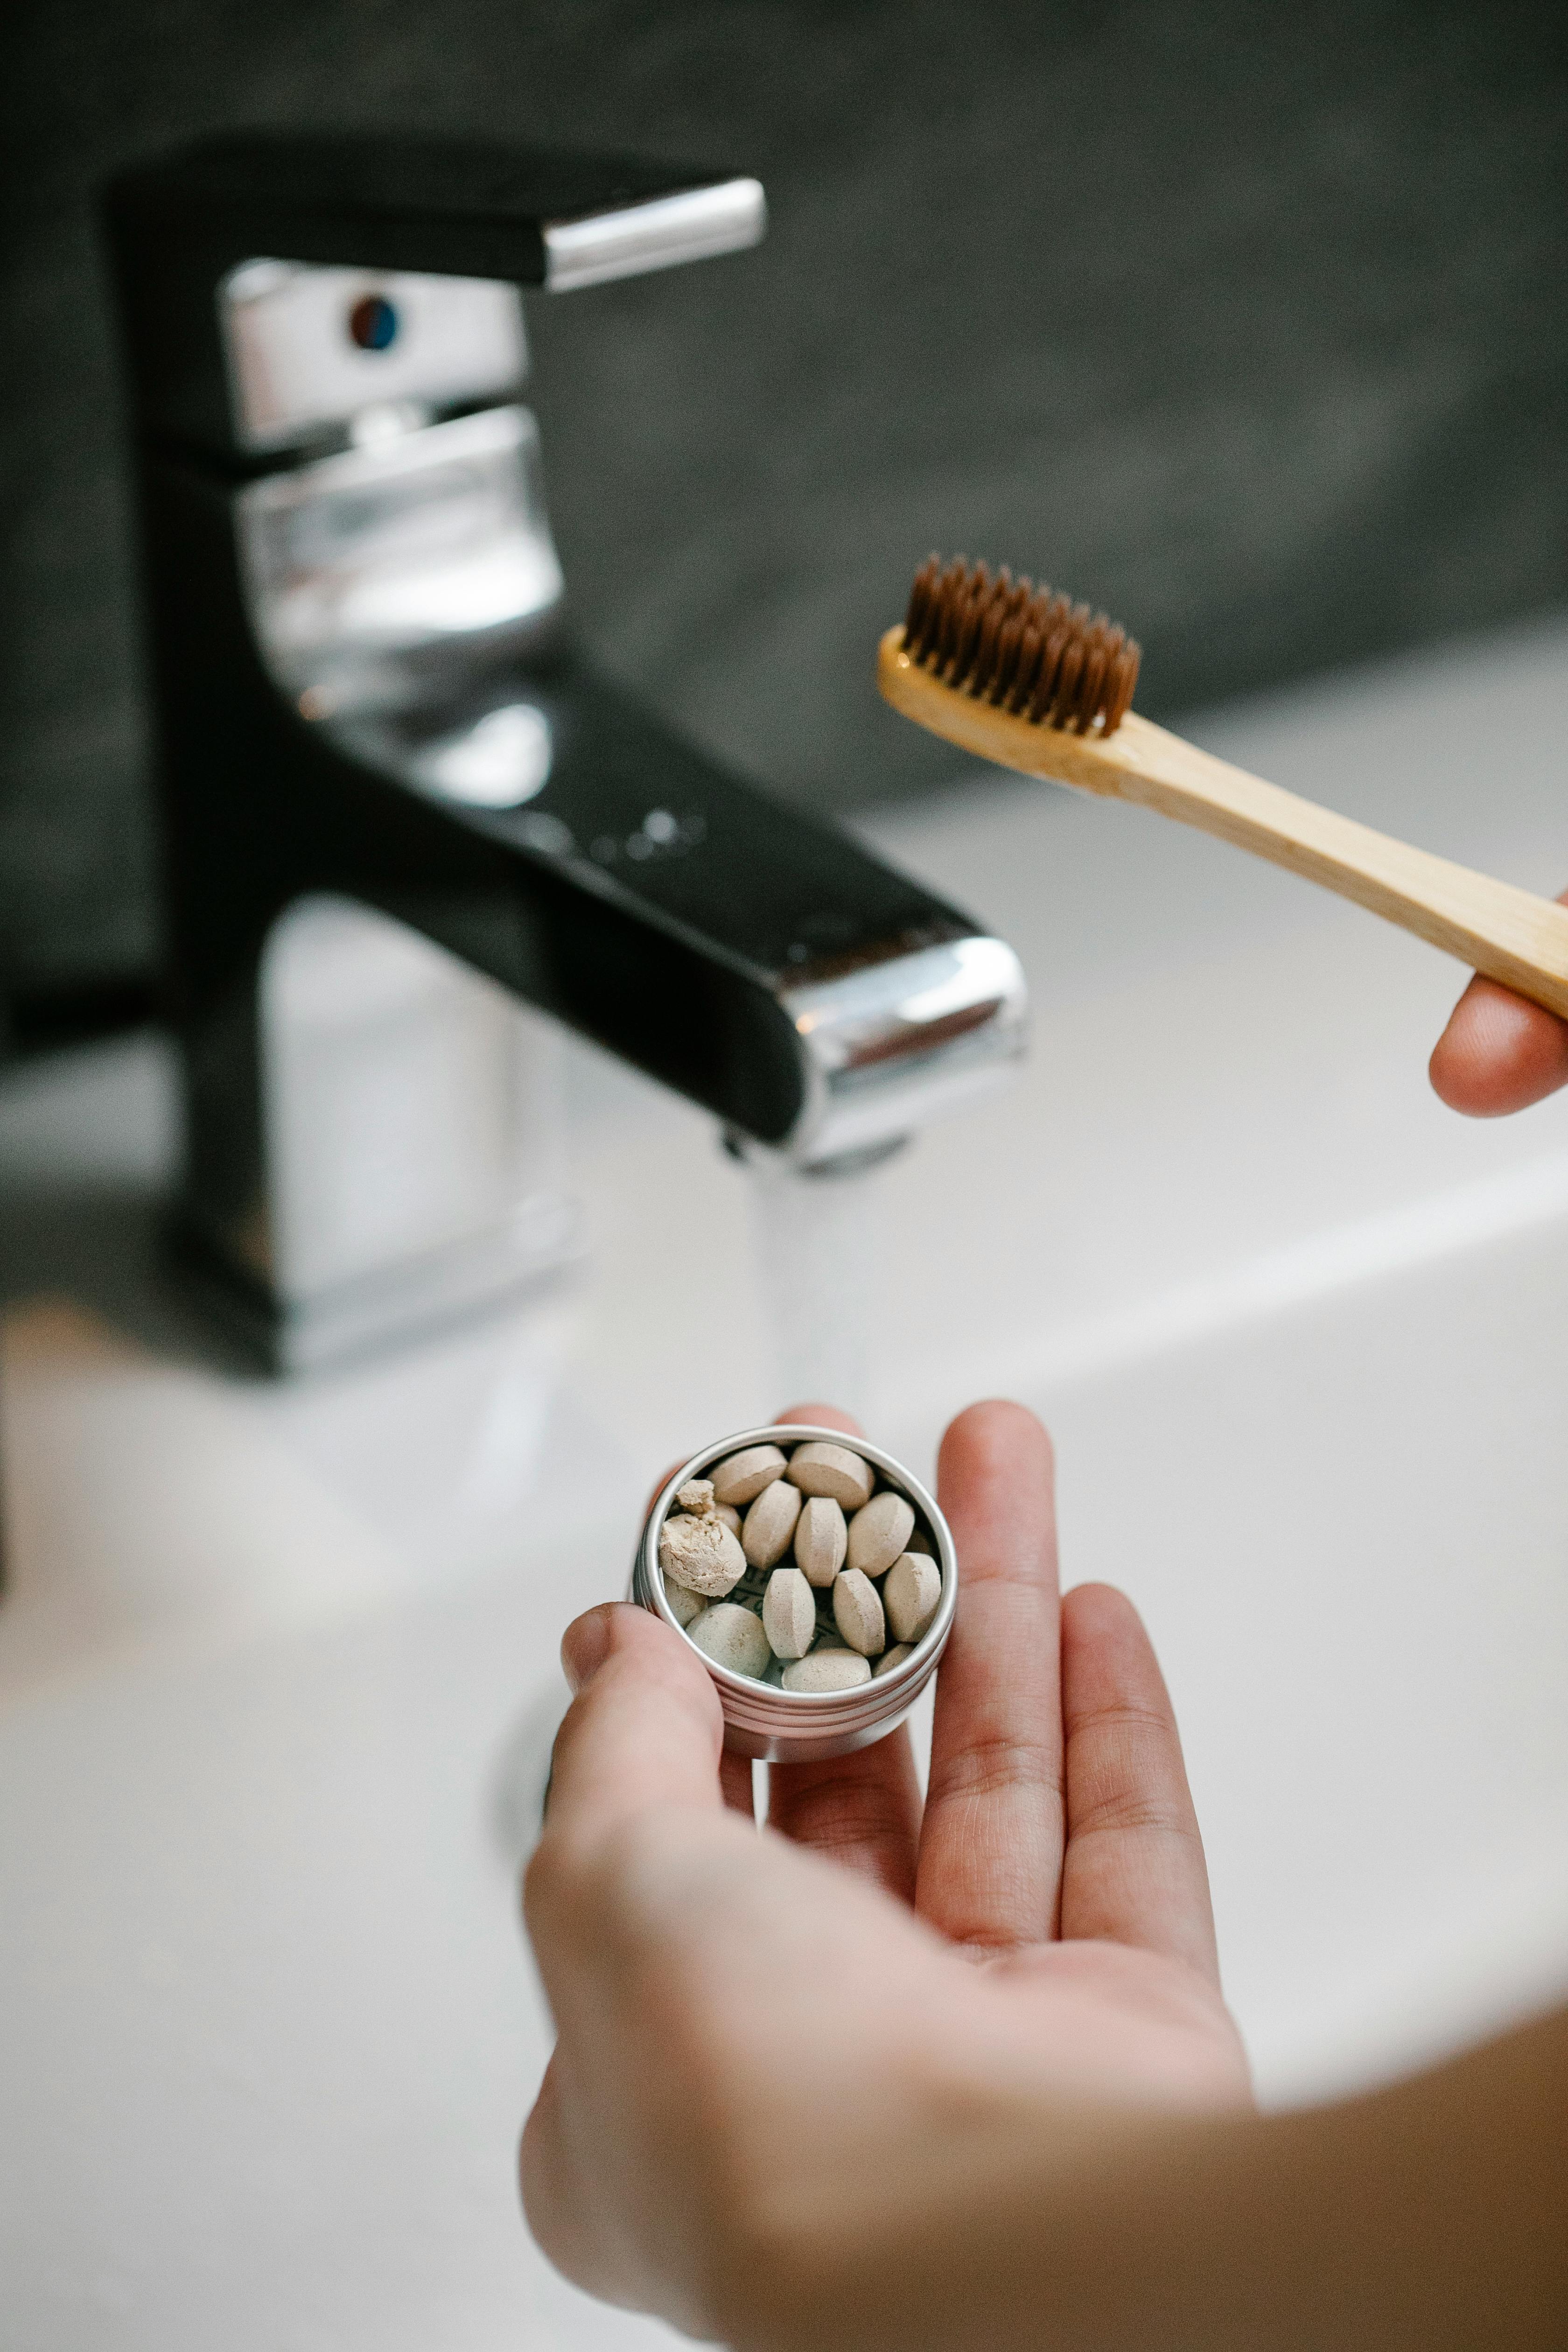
(366, 690)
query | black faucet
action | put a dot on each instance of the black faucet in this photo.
(365, 690)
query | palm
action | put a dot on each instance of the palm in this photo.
(1126, 2021)
(1057, 1844)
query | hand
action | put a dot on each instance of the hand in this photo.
(1499, 1053)
(784, 2054)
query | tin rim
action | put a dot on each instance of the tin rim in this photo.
(761, 1706)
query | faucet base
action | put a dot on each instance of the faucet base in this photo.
(409, 1124)
(482, 1275)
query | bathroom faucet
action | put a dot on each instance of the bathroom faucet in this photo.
(366, 698)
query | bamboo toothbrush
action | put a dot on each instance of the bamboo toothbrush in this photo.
(1028, 679)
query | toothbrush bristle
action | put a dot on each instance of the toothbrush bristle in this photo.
(1020, 647)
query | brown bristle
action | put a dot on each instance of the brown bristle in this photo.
(1020, 647)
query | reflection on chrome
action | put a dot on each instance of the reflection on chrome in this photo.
(653, 233)
(500, 762)
(358, 568)
(901, 1041)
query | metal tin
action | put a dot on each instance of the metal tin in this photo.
(797, 1726)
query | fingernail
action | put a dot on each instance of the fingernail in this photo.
(585, 1646)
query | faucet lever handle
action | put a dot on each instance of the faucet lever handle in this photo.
(181, 225)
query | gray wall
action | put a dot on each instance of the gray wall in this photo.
(1248, 323)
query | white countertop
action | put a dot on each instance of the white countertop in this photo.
(276, 1665)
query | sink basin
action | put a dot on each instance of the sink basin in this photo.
(276, 1665)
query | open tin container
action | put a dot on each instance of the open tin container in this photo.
(782, 1726)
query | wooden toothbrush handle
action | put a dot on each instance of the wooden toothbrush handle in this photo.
(1509, 934)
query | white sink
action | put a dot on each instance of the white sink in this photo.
(277, 1668)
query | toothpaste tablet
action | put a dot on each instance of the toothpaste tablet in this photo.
(770, 1523)
(879, 1531)
(733, 1637)
(821, 1539)
(820, 1468)
(684, 1605)
(742, 1478)
(828, 1670)
(789, 1613)
(909, 1594)
(857, 1613)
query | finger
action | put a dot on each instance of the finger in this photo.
(734, 1771)
(643, 1733)
(1499, 1053)
(635, 1780)
(863, 1810)
(991, 1848)
(644, 1729)
(1134, 1871)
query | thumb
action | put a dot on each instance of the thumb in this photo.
(644, 1729)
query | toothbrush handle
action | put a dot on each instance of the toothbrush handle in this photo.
(1509, 934)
